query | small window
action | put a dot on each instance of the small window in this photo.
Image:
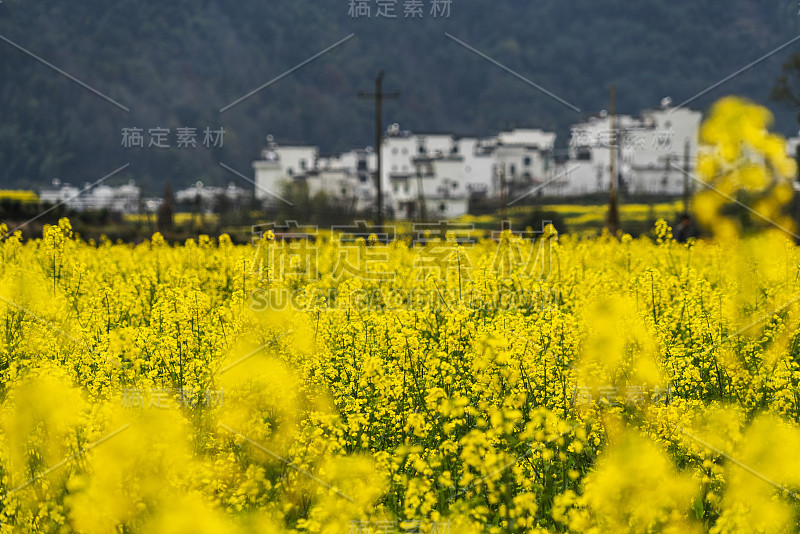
(527, 161)
(442, 207)
(303, 164)
(406, 188)
(395, 188)
(394, 150)
(404, 151)
(290, 171)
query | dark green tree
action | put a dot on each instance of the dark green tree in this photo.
(787, 88)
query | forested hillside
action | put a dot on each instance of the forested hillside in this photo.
(175, 64)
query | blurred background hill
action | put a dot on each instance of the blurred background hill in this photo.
(176, 64)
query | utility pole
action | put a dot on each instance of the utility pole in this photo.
(378, 96)
(667, 168)
(612, 222)
(503, 193)
(686, 176)
(423, 211)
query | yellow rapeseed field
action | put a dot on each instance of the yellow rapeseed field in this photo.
(522, 382)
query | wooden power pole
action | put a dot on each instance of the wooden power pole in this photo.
(378, 96)
(686, 172)
(423, 209)
(612, 223)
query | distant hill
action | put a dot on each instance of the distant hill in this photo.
(177, 63)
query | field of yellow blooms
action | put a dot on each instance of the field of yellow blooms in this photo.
(521, 382)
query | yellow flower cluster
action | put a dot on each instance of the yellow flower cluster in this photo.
(514, 384)
(744, 167)
(653, 389)
(19, 195)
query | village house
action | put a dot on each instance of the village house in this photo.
(651, 151)
(436, 175)
(205, 198)
(121, 199)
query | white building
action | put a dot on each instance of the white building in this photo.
(436, 175)
(209, 196)
(346, 177)
(792, 143)
(278, 166)
(648, 149)
(478, 172)
(61, 193)
(398, 169)
(523, 163)
(425, 172)
(122, 199)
